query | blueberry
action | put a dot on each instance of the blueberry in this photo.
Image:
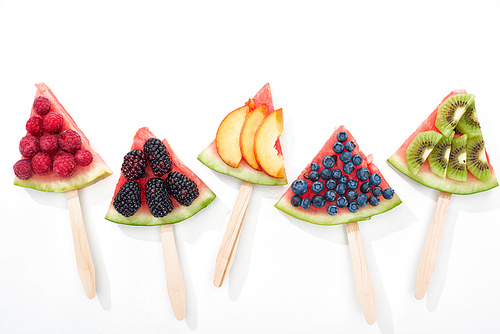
(341, 189)
(357, 159)
(373, 200)
(336, 173)
(348, 167)
(306, 203)
(325, 174)
(317, 186)
(375, 179)
(328, 161)
(314, 167)
(342, 202)
(363, 174)
(345, 156)
(351, 195)
(314, 176)
(377, 191)
(342, 136)
(353, 207)
(330, 195)
(299, 187)
(296, 200)
(350, 146)
(338, 147)
(362, 200)
(388, 193)
(365, 187)
(343, 179)
(318, 201)
(352, 184)
(330, 184)
(332, 209)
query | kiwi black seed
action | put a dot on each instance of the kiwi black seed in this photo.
(451, 110)
(469, 123)
(457, 164)
(438, 159)
(420, 148)
(477, 163)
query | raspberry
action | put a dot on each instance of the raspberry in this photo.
(41, 163)
(64, 164)
(42, 105)
(23, 169)
(157, 198)
(128, 199)
(158, 156)
(29, 146)
(53, 122)
(134, 164)
(49, 143)
(182, 188)
(35, 126)
(83, 157)
(70, 141)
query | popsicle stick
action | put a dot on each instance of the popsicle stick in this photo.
(428, 259)
(175, 284)
(84, 261)
(230, 239)
(364, 286)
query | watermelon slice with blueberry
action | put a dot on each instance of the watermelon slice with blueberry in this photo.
(340, 185)
(155, 186)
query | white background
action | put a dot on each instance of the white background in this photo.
(178, 67)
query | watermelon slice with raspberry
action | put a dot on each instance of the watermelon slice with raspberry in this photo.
(340, 185)
(78, 174)
(152, 177)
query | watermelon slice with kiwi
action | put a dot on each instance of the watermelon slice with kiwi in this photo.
(82, 176)
(447, 152)
(340, 185)
(152, 179)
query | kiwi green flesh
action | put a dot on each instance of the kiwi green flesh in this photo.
(451, 111)
(457, 163)
(469, 123)
(438, 159)
(420, 148)
(477, 163)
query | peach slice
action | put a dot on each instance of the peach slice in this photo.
(248, 131)
(266, 139)
(227, 139)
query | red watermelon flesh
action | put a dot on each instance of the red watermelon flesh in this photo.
(83, 175)
(320, 216)
(426, 177)
(143, 217)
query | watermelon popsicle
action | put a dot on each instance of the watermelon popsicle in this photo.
(57, 157)
(247, 147)
(342, 185)
(447, 153)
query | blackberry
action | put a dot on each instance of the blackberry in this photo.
(182, 188)
(128, 199)
(157, 198)
(158, 156)
(134, 164)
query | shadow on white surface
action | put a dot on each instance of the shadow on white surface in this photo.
(191, 298)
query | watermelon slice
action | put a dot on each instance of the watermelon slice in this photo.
(83, 175)
(143, 217)
(244, 171)
(425, 175)
(320, 215)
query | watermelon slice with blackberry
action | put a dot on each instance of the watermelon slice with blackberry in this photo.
(340, 185)
(155, 187)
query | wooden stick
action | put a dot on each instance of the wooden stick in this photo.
(364, 286)
(428, 259)
(82, 251)
(228, 245)
(175, 284)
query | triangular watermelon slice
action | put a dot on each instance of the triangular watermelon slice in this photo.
(83, 175)
(244, 171)
(325, 173)
(427, 177)
(143, 216)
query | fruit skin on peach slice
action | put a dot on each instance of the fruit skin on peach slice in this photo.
(247, 138)
(269, 158)
(227, 139)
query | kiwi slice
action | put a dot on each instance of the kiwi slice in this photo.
(451, 110)
(477, 163)
(438, 159)
(420, 148)
(457, 164)
(469, 123)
